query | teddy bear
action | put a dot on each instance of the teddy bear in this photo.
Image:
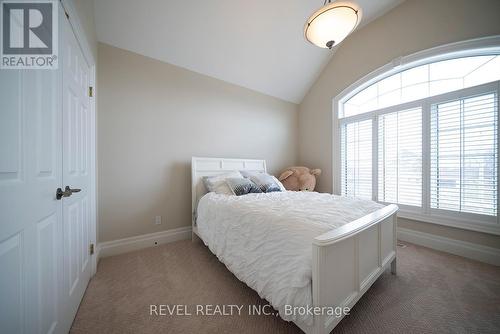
(299, 178)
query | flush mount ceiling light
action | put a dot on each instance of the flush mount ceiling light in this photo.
(330, 24)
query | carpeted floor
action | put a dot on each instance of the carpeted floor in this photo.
(433, 292)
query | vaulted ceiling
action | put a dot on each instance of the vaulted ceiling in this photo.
(257, 44)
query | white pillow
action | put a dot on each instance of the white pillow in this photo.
(218, 183)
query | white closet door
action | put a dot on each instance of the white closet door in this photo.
(45, 129)
(30, 215)
(76, 171)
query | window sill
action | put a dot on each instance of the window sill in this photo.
(456, 222)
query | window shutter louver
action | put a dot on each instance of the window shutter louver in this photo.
(464, 157)
(400, 157)
(356, 159)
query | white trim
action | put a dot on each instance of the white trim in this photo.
(74, 20)
(475, 47)
(451, 219)
(478, 46)
(93, 162)
(464, 220)
(469, 250)
(120, 246)
(76, 25)
(97, 254)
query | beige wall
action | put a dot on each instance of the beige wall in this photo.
(412, 26)
(153, 117)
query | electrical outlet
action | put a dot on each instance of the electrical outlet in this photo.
(158, 220)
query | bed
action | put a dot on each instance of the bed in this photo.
(292, 255)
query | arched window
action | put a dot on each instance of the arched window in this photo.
(426, 138)
(424, 81)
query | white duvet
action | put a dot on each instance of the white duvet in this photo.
(265, 240)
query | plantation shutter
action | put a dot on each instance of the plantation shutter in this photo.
(356, 159)
(464, 159)
(400, 157)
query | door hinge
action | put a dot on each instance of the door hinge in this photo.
(91, 249)
(91, 91)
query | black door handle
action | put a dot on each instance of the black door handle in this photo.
(71, 191)
(66, 193)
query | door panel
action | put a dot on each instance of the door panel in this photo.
(47, 235)
(11, 126)
(72, 250)
(46, 126)
(85, 224)
(44, 242)
(30, 216)
(76, 157)
(11, 290)
(12, 178)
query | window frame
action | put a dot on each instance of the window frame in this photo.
(376, 195)
(478, 47)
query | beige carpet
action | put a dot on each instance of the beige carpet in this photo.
(433, 292)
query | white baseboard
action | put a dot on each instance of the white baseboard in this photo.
(469, 250)
(120, 246)
(462, 248)
(97, 254)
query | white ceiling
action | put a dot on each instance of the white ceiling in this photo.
(257, 44)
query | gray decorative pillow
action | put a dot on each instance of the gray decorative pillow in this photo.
(265, 181)
(218, 184)
(241, 186)
(246, 173)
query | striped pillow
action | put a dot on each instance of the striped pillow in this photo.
(265, 181)
(240, 186)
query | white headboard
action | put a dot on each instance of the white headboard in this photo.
(213, 166)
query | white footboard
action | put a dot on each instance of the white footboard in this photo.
(346, 262)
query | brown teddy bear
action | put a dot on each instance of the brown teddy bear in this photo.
(299, 178)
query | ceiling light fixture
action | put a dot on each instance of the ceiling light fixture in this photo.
(333, 22)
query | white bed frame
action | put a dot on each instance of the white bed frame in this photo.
(346, 261)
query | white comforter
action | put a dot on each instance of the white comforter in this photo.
(266, 239)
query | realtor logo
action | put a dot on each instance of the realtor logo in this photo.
(29, 34)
